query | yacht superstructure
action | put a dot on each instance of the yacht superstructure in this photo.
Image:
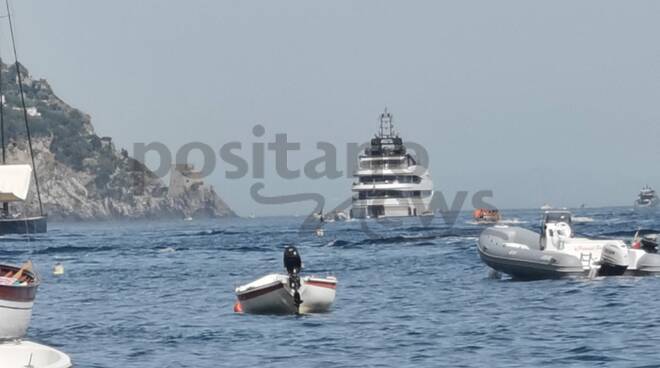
(389, 181)
(647, 198)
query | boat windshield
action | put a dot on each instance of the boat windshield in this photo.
(554, 217)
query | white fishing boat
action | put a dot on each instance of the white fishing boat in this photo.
(26, 354)
(18, 289)
(287, 294)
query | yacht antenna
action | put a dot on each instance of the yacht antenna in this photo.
(25, 115)
(386, 127)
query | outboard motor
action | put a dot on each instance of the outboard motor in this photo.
(614, 260)
(650, 243)
(292, 261)
(293, 264)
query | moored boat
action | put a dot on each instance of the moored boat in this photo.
(287, 294)
(557, 252)
(15, 179)
(27, 354)
(18, 289)
(271, 294)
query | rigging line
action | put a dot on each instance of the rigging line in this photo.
(25, 116)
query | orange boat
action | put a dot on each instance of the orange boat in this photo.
(486, 215)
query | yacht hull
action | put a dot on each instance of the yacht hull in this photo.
(30, 225)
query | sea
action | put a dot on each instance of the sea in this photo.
(411, 293)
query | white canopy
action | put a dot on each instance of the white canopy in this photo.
(14, 182)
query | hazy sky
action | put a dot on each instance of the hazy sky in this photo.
(555, 101)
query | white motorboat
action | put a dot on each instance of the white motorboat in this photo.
(390, 182)
(557, 252)
(26, 354)
(287, 294)
(271, 294)
(18, 289)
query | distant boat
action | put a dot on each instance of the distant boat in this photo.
(485, 215)
(546, 207)
(188, 218)
(390, 182)
(15, 179)
(647, 198)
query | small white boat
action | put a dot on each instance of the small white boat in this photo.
(18, 289)
(26, 354)
(287, 294)
(272, 294)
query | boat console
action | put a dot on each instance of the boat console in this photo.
(556, 229)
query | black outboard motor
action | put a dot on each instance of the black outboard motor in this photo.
(292, 261)
(293, 264)
(650, 243)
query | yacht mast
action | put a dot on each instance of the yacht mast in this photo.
(386, 127)
(25, 115)
(2, 117)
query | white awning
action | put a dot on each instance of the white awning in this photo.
(14, 182)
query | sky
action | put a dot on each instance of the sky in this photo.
(541, 102)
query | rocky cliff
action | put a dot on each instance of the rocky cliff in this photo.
(83, 176)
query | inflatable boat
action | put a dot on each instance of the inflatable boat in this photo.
(556, 252)
(287, 294)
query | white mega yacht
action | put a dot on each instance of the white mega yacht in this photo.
(389, 181)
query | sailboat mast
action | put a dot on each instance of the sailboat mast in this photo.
(2, 117)
(25, 115)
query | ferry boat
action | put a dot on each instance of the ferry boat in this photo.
(390, 182)
(647, 198)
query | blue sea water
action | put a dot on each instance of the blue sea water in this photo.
(410, 294)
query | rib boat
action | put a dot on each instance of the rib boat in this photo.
(287, 294)
(18, 289)
(556, 252)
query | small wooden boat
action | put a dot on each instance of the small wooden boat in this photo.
(287, 294)
(18, 289)
(486, 215)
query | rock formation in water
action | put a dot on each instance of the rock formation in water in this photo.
(83, 176)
